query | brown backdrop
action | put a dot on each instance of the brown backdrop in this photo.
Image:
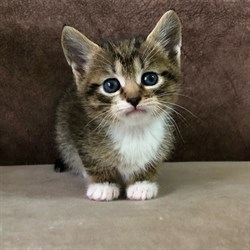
(215, 82)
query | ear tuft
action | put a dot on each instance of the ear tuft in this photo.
(64, 25)
(172, 9)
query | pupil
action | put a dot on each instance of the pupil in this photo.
(111, 85)
(151, 78)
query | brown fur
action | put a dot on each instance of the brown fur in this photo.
(82, 122)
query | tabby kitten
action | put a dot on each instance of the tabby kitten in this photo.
(114, 125)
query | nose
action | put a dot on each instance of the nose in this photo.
(134, 100)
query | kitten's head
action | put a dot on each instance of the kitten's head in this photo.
(128, 82)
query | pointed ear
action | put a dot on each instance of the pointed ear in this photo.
(77, 49)
(167, 34)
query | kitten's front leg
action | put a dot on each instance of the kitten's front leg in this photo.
(102, 186)
(143, 186)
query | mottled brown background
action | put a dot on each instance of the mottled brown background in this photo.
(216, 71)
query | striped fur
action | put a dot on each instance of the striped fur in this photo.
(96, 132)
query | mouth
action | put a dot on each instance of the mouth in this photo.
(133, 111)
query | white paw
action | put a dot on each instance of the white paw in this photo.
(103, 191)
(142, 191)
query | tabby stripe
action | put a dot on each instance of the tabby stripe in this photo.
(103, 98)
(168, 75)
(160, 90)
(142, 62)
(91, 89)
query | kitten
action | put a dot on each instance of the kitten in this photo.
(114, 125)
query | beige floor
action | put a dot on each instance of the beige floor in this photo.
(202, 206)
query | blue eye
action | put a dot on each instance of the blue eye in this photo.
(149, 79)
(111, 85)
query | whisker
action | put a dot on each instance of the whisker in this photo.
(102, 123)
(173, 110)
(101, 104)
(181, 107)
(183, 119)
(172, 122)
(96, 118)
(112, 117)
(177, 94)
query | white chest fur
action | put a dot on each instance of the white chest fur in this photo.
(137, 145)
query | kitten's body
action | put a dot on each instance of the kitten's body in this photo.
(118, 139)
(126, 148)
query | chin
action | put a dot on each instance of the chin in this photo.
(135, 118)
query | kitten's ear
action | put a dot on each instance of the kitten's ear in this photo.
(167, 33)
(77, 48)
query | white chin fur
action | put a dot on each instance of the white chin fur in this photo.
(103, 191)
(136, 119)
(142, 191)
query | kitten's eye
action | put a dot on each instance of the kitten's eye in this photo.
(149, 79)
(111, 85)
